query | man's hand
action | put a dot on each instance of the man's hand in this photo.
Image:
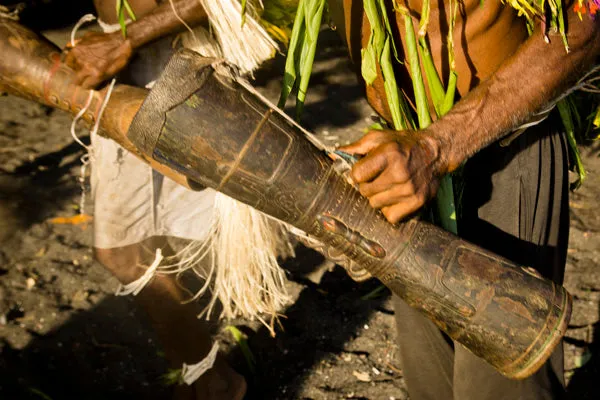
(97, 57)
(400, 171)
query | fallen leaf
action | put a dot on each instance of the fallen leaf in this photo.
(78, 219)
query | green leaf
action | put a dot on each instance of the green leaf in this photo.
(368, 64)
(244, 4)
(375, 293)
(118, 7)
(446, 208)
(296, 43)
(424, 22)
(561, 24)
(567, 119)
(415, 73)
(450, 94)
(388, 28)
(380, 48)
(436, 88)
(122, 23)
(313, 18)
(39, 393)
(398, 108)
(129, 10)
(241, 339)
(172, 377)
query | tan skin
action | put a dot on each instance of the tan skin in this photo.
(97, 57)
(504, 77)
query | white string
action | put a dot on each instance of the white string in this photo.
(104, 103)
(110, 28)
(136, 286)
(182, 21)
(85, 159)
(88, 156)
(86, 18)
(78, 117)
(191, 373)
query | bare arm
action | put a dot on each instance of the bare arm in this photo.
(98, 56)
(162, 21)
(401, 170)
(527, 82)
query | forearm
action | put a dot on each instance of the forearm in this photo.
(162, 21)
(526, 83)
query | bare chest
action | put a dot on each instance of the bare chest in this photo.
(484, 36)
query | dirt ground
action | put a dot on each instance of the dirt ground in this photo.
(63, 333)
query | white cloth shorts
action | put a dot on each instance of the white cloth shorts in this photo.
(131, 201)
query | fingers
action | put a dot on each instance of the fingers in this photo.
(90, 82)
(399, 211)
(367, 143)
(404, 200)
(71, 58)
(368, 168)
(90, 77)
(116, 66)
(395, 174)
(395, 195)
(392, 194)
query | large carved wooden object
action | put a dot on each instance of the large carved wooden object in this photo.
(212, 130)
(209, 129)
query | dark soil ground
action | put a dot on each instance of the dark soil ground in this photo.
(63, 334)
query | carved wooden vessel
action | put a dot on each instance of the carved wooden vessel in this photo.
(195, 126)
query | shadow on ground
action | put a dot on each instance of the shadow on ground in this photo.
(109, 351)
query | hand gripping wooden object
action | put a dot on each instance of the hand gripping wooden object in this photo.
(210, 129)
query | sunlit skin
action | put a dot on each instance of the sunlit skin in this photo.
(98, 56)
(504, 77)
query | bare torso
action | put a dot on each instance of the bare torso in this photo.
(484, 36)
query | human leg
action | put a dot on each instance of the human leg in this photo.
(426, 354)
(184, 338)
(134, 209)
(516, 204)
